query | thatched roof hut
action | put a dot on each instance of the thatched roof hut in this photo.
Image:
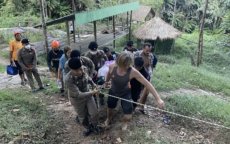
(143, 13)
(156, 28)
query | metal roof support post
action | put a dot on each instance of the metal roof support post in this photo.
(130, 25)
(114, 35)
(67, 31)
(95, 30)
(74, 31)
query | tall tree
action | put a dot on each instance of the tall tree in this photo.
(200, 43)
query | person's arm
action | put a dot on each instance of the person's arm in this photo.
(148, 85)
(90, 65)
(20, 61)
(74, 91)
(59, 71)
(34, 59)
(109, 75)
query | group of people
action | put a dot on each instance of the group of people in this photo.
(128, 77)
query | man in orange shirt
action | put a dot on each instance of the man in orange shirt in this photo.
(15, 45)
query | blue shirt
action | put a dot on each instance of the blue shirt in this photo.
(62, 62)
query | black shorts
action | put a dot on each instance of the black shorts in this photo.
(127, 107)
(135, 96)
(20, 71)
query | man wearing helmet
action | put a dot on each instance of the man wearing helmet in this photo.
(15, 46)
(53, 57)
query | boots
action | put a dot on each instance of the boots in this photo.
(92, 128)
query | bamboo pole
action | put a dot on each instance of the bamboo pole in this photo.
(200, 43)
(46, 47)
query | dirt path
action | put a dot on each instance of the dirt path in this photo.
(142, 128)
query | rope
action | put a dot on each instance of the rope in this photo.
(172, 113)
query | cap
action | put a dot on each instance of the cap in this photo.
(130, 43)
(106, 49)
(25, 41)
(75, 53)
(74, 63)
(93, 46)
(15, 33)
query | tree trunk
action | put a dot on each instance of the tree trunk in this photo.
(174, 11)
(200, 43)
(44, 27)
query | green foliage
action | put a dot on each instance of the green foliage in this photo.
(22, 20)
(205, 107)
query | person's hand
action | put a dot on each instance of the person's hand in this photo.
(12, 63)
(95, 92)
(160, 104)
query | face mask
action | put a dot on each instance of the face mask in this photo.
(28, 46)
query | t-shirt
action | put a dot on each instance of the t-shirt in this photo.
(130, 50)
(53, 58)
(136, 85)
(98, 59)
(62, 62)
(14, 47)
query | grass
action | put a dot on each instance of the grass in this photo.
(205, 107)
(171, 77)
(2, 68)
(22, 112)
(32, 117)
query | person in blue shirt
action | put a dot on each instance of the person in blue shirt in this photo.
(61, 68)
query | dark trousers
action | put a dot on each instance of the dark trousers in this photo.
(30, 74)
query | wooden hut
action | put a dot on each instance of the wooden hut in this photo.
(144, 13)
(159, 33)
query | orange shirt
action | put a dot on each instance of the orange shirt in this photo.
(14, 47)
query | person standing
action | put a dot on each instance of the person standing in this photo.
(54, 56)
(111, 55)
(61, 68)
(150, 62)
(136, 86)
(15, 46)
(129, 47)
(81, 96)
(120, 75)
(28, 62)
(98, 57)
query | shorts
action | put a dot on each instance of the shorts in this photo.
(135, 96)
(20, 71)
(127, 107)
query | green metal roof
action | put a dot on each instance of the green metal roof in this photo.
(90, 16)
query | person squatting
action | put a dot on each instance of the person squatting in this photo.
(127, 78)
